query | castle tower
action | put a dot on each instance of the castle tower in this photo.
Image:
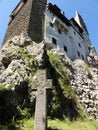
(28, 17)
(80, 21)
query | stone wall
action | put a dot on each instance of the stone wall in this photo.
(37, 19)
(76, 44)
(30, 19)
(20, 60)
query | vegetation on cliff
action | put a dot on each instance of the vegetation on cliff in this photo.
(74, 84)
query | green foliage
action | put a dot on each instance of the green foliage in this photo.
(29, 79)
(20, 72)
(75, 125)
(4, 88)
(22, 124)
(68, 92)
(28, 69)
(56, 124)
(63, 76)
(62, 92)
(53, 57)
(57, 22)
(65, 30)
(10, 86)
(24, 112)
(24, 55)
(61, 27)
(13, 57)
(90, 75)
(26, 122)
(10, 73)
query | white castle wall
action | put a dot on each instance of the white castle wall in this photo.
(74, 42)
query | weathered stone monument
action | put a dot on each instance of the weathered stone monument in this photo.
(42, 86)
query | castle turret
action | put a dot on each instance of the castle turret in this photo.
(27, 17)
(80, 21)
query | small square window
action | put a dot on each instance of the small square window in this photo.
(89, 49)
(59, 31)
(74, 33)
(82, 57)
(51, 24)
(78, 53)
(54, 41)
(24, 1)
(79, 45)
(65, 48)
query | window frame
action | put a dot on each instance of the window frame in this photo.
(65, 48)
(78, 53)
(59, 31)
(51, 24)
(54, 41)
(79, 44)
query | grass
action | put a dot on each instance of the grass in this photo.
(23, 124)
(28, 124)
(75, 125)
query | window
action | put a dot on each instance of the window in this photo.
(74, 33)
(59, 31)
(79, 45)
(82, 57)
(24, 1)
(51, 24)
(65, 48)
(54, 41)
(78, 53)
(89, 49)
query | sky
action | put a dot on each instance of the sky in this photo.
(88, 9)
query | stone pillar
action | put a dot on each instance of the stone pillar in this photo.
(41, 111)
(42, 86)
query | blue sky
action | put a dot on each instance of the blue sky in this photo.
(87, 8)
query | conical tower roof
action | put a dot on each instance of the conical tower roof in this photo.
(78, 18)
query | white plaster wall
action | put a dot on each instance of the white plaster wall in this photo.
(70, 40)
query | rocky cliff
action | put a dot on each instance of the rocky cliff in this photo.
(75, 83)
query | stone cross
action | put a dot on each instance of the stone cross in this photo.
(42, 85)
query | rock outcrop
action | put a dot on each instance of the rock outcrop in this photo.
(75, 83)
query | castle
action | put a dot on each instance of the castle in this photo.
(42, 21)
